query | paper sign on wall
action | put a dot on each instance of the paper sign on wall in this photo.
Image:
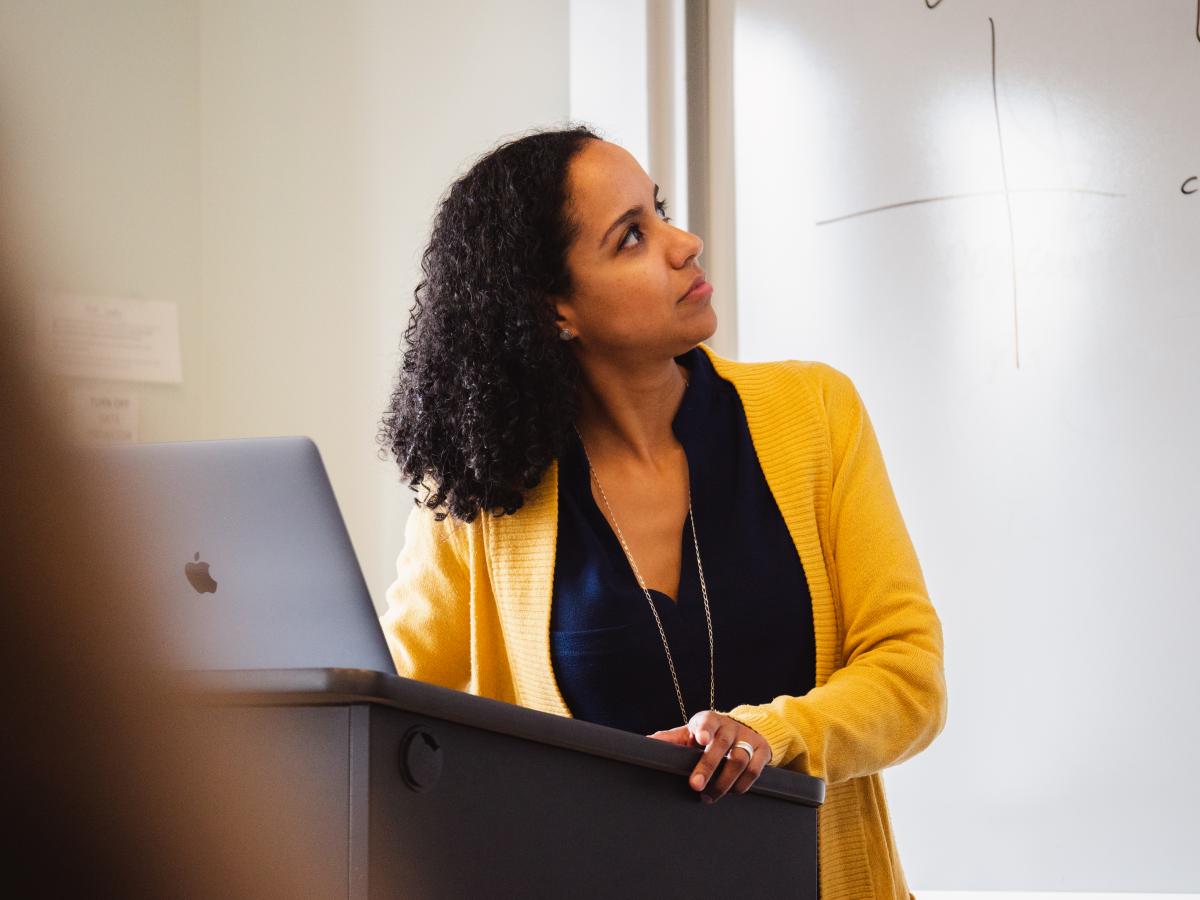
(104, 417)
(110, 338)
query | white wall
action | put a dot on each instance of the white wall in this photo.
(272, 166)
(608, 72)
(1053, 505)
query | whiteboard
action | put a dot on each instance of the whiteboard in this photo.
(988, 215)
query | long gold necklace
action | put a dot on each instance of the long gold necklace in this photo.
(712, 679)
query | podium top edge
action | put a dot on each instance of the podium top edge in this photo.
(325, 687)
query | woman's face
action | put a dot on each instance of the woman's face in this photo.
(630, 268)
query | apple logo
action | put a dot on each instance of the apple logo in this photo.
(197, 574)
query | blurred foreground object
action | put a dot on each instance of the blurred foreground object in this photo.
(112, 786)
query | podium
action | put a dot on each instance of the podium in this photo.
(416, 791)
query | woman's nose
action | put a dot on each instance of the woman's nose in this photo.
(687, 246)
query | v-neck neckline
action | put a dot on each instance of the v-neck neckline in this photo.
(601, 524)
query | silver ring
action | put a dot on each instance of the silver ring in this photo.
(743, 745)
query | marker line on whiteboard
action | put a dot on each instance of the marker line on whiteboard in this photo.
(1012, 241)
(1197, 19)
(966, 196)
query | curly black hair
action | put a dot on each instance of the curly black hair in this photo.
(487, 393)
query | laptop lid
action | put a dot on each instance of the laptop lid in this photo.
(245, 558)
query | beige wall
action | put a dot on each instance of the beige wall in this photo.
(100, 127)
(273, 167)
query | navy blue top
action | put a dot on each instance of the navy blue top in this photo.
(604, 645)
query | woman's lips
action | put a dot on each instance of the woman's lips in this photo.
(699, 289)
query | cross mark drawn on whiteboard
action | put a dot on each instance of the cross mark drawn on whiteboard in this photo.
(1006, 191)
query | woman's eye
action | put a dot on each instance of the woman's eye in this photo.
(633, 229)
(661, 208)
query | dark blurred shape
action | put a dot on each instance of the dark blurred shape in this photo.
(113, 784)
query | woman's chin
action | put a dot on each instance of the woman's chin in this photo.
(704, 325)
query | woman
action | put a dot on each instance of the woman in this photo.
(618, 524)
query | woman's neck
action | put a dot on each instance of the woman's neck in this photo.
(627, 412)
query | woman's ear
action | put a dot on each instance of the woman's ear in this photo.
(565, 320)
(563, 314)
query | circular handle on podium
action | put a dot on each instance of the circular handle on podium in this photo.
(420, 758)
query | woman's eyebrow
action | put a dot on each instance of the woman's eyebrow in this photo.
(632, 213)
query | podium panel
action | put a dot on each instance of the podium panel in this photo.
(415, 791)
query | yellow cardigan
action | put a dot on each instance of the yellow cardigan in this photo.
(470, 609)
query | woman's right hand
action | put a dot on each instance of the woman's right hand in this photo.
(719, 735)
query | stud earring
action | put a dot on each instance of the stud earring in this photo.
(564, 334)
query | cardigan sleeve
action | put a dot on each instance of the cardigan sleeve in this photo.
(427, 620)
(888, 700)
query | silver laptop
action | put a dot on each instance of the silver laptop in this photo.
(245, 558)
